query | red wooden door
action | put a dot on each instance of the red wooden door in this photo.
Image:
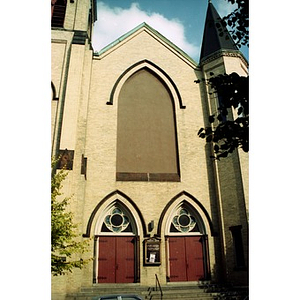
(194, 258)
(186, 259)
(106, 260)
(177, 259)
(125, 259)
(116, 260)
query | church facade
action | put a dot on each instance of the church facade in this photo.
(145, 190)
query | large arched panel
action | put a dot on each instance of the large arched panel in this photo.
(146, 134)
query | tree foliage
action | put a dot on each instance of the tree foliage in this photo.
(238, 21)
(226, 132)
(65, 242)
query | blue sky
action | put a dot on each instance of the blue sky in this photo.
(181, 21)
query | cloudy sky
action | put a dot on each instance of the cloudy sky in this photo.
(181, 21)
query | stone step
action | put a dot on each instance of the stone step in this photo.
(137, 288)
(116, 288)
(186, 290)
(155, 296)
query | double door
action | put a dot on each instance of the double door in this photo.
(116, 262)
(186, 258)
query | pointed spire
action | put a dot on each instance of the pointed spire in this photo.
(212, 40)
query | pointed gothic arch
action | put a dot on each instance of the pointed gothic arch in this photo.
(116, 224)
(126, 202)
(157, 70)
(184, 219)
(147, 145)
(184, 224)
(116, 218)
(185, 197)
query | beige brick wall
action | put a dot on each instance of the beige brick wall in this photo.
(77, 13)
(231, 176)
(60, 45)
(151, 197)
(90, 127)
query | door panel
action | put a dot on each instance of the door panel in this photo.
(125, 260)
(106, 260)
(177, 259)
(116, 260)
(194, 258)
(186, 259)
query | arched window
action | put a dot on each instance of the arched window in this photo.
(185, 220)
(116, 221)
(146, 134)
(58, 11)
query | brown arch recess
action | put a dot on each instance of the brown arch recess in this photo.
(184, 193)
(116, 192)
(110, 102)
(54, 95)
(158, 161)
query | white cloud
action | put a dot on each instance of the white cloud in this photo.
(224, 8)
(114, 22)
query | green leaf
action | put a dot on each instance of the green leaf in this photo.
(216, 148)
(220, 117)
(65, 239)
(200, 130)
(211, 119)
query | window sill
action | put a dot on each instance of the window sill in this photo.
(161, 177)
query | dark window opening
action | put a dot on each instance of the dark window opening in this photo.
(66, 158)
(238, 245)
(58, 11)
(222, 109)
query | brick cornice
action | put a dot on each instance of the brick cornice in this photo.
(221, 53)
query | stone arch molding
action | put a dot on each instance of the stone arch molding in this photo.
(54, 92)
(154, 69)
(185, 199)
(125, 202)
(193, 218)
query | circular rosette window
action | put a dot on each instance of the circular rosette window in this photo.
(116, 220)
(183, 221)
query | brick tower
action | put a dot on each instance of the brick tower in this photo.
(145, 190)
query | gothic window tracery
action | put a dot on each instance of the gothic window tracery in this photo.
(186, 221)
(116, 221)
(183, 221)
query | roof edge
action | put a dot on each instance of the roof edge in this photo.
(154, 32)
(119, 40)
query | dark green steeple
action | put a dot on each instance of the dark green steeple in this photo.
(213, 41)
